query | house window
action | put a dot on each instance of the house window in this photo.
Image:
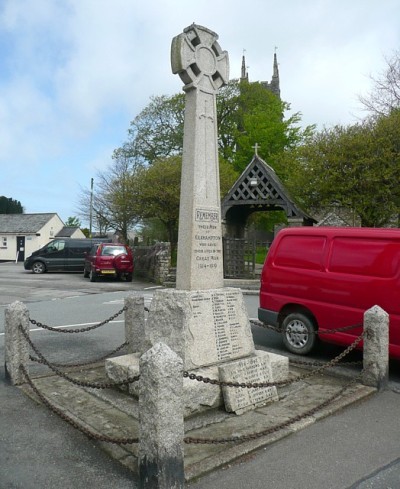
(4, 242)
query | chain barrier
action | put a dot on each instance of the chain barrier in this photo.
(81, 383)
(77, 330)
(278, 427)
(316, 363)
(72, 422)
(256, 322)
(83, 364)
(188, 440)
(255, 385)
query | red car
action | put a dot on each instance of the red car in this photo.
(109, 260)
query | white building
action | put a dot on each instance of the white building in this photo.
(22, 234)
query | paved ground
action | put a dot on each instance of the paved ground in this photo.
(357, 447)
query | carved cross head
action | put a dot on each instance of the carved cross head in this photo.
(199, 60)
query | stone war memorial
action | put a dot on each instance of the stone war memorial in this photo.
(203, 322)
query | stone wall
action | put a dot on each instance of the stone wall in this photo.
(152, 262)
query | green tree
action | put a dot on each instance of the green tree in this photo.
(261, 120)
(356, 167)
(247, 113)
(10, 206)
(73, 221)
(157, 132)
(156, 190)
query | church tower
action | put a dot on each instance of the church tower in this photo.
(273, 85)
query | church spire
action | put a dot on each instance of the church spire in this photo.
(244, 75)
(275, 87)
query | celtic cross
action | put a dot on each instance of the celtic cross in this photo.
(201, 64)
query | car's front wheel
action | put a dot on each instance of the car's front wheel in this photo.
(299, 333)
(38, 267)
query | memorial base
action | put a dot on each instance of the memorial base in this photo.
(210, 330)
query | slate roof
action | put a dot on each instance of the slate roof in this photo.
(66, 232)
(268, 192)
(23, 223)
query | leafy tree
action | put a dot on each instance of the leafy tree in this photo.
(157, 132)
(246, 113)
(261, 121)
(356, 167)
(385, 94)
(10, 206)
(73, 221)
(156, 190)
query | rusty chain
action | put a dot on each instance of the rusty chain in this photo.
(65, 417)
(83, 364)
(273, 429)
(255, 385)
(103, 385)
(316, 363)
(77, 330)
(256, 322)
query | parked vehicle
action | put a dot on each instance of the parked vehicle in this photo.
(66, 254)
(109, 260)
(323, 278)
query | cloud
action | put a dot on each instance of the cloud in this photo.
(74, 73)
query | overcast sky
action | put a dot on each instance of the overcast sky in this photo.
(74, 73)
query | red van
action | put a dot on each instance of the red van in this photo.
(322, 278)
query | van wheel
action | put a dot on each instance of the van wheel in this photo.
(85, 273)
(299, 333)
(38, 267)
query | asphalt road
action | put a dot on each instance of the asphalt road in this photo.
(356, 449)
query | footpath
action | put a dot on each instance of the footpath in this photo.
(353, 442)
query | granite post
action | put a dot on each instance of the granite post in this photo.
(134, 323)
(16, 346)
(161, 419)
(201, 64)
(376, 348)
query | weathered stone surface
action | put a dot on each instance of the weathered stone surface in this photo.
(376, 348)
(279, 365)
(16, 347)
(122, 367)
(135, 323)
(204, 327)
(161, 428)
(198, 59)
(199, 396)
(247, 370)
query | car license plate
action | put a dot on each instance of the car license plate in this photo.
(109, 272)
